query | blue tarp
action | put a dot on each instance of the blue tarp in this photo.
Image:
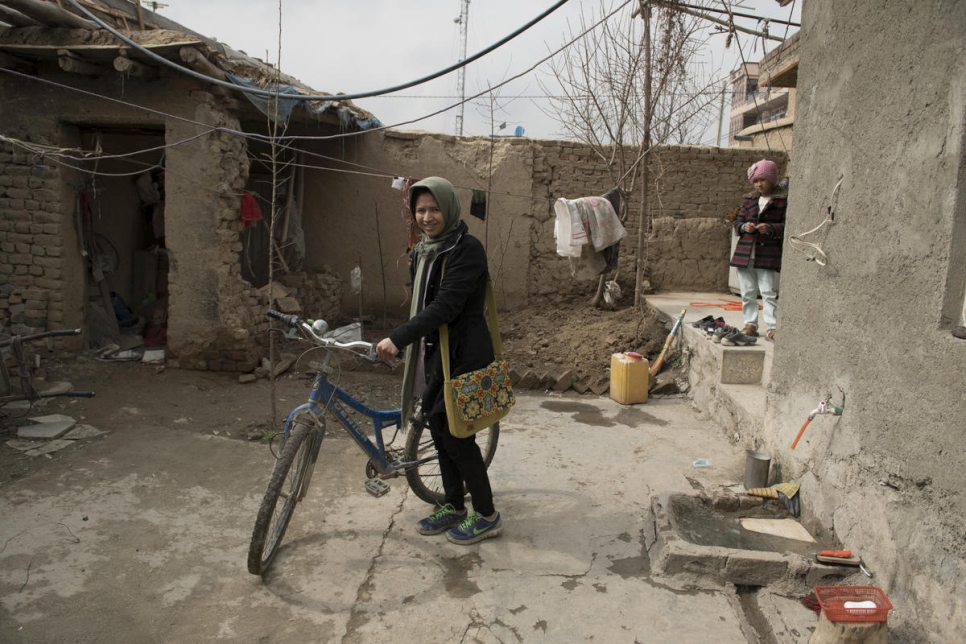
(289, 99)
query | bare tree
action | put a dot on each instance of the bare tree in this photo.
(626, 86)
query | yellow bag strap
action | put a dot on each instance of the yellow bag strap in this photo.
(493, 320)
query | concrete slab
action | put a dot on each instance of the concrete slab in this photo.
(48, 447)
(50, 430)
(82, 431)
(49, 418)
(573, 478)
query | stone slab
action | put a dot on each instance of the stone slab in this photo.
(82, 431)
(51, 430)
(47, 448)
(49, 418)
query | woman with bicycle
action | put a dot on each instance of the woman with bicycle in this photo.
(454, 296)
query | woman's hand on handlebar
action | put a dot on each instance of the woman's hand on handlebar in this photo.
(386, 350)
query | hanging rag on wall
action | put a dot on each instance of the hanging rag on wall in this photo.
(478, 204)
(250, 212)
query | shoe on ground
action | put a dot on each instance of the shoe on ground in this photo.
(721, 332)
(770, 335)
(750, 330)
(475, 528)
(738, 339)
(700, 324)
(444, 518)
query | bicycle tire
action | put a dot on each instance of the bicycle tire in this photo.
(288, 476)
(425, 480)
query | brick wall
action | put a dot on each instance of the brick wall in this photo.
(31, 243)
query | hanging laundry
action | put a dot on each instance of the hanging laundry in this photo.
(478, 204)
(250, 212)
(583, 220)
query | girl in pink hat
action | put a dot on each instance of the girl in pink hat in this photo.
(760, 227)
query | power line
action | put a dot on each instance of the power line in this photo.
(310, 97)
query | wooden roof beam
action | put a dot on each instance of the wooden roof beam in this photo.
(133, 68)
(71, 62)
(17, 64)
(15, 18)
(50, 14)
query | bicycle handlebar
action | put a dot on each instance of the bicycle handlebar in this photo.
(38, 336)
(306, 329)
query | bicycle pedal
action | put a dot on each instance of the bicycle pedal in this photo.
(376, 487)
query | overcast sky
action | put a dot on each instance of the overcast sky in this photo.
(364, 45)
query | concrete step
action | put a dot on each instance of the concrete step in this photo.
(727, 383)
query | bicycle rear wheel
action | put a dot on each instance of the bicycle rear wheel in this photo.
(288, 486)
(425, 479)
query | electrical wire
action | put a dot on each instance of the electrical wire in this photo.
(795, 241)
(312, 97)
(342, 135)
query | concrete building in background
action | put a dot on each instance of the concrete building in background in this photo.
(762, 113)
(882, 112)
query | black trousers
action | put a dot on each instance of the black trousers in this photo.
(461, 461)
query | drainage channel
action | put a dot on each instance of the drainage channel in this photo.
(758, 630)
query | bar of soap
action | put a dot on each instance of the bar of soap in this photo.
(855, 605)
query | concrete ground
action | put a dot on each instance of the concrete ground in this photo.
(142, 536)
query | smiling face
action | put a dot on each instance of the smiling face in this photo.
(428, 214)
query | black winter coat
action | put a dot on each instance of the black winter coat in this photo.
(457, 300)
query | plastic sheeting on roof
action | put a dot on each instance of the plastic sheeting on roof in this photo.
(289, 99)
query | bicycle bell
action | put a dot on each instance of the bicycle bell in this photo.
(321, 327)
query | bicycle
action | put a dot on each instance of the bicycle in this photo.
(25, 372)
(305, 428)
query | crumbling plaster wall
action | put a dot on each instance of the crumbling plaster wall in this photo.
(342, 211)
(212, 315)
(881, 103)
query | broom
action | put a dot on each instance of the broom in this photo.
(656, 367)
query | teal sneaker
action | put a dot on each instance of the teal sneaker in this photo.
(475, 528)
(444, 518)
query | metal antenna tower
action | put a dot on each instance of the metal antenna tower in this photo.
(463, 21)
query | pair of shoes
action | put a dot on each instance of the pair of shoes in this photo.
(703, 322)
(444, 518)
(475, 528)
(750, 330)
(738, 339)
(770, 336)
(711, 326)
(721, 332)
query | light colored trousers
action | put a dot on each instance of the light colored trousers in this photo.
(751, 281)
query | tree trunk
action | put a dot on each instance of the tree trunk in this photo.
(646, 147)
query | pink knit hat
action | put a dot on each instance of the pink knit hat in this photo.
(764, 169)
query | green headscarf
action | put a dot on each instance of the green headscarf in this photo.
(425, 252)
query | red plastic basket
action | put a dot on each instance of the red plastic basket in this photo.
(832, 600)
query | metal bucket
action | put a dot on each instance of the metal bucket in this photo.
(756, 469)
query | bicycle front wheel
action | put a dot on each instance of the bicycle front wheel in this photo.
(425, 479)
(287, 487)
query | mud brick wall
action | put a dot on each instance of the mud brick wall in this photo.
(31, 243)
(688, 243)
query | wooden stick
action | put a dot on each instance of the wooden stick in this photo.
(656, 367)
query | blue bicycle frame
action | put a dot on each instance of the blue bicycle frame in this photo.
(326, 396)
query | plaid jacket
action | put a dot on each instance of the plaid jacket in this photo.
(768, 248)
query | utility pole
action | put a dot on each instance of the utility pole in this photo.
(463, 21)
(724, 86)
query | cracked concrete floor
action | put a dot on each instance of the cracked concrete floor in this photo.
(142, 536)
